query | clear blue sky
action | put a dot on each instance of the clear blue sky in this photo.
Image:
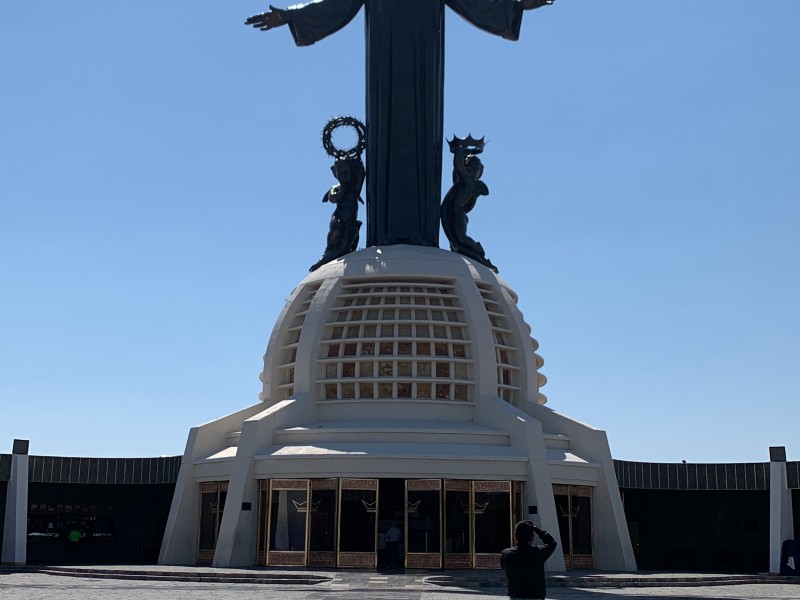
(160, 184)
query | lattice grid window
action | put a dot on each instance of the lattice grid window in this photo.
(289, 348)
(389, 340)
(508, 371)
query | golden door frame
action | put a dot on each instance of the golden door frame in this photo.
(324, 558)
(206, 557)
(474, 559)
(286, 558)
(357, 559)
(490, 560)
(459, 560)
(424, 560)
(429, 560)
(571, 559)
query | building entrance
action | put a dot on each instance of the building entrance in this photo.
(392, 516)
(424, 523)
(574, 510)
(368, 523)
(212, 505)
(358, 523)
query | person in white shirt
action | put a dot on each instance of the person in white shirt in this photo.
(393, 537)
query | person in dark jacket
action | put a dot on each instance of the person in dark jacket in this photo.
(524, 563)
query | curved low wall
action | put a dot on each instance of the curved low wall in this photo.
(700, 476)
(119, 504)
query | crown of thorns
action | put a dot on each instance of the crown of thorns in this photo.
(345, 121)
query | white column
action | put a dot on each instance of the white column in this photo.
(179, 544)
(781, 522)
(15, 526)
(236, 542)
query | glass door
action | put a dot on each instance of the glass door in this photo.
(423, 524)
(574, 511)
(457, 524)
(519, 509)
(212, 505)
(288, 522)
(322, 517)
(358, 523)
(263, 519)
(492, 520)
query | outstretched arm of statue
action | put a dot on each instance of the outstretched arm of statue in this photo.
(531, 4)
(309, 22)
(269, 20)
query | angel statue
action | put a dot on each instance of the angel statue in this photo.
(461, 198)
(348, 169)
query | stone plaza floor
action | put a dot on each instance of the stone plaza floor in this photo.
(181, 583)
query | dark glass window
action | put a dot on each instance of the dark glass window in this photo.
(358, 520)
(423, 521)
(287, 517)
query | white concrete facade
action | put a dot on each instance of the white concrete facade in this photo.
(397, 362)
(15, 525)
(781, 519)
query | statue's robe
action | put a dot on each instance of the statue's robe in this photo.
(405, 87)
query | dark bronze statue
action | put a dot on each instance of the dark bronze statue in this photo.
(404, 88)
(461, 198)
(349, 171)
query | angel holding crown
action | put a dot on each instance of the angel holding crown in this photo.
(461, 198)
(344, 226)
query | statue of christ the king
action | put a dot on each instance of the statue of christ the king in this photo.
(405, 81)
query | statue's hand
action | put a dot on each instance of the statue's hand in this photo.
(531, 4)
(334, 194)
(268, 20)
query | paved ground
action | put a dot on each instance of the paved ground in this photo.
(29, 585)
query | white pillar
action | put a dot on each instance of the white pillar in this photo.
(15, 526)
(781, 522)
(236, 542)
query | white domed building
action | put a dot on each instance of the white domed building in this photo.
(401, 385)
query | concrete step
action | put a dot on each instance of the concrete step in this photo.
(193, 575)
(409, 431)
(554, 441)
(600, 579)
(393, 459)
(391, 409)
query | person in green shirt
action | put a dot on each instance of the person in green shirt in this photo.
(74, 538)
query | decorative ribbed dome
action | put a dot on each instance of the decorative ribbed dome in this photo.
(402, 322)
